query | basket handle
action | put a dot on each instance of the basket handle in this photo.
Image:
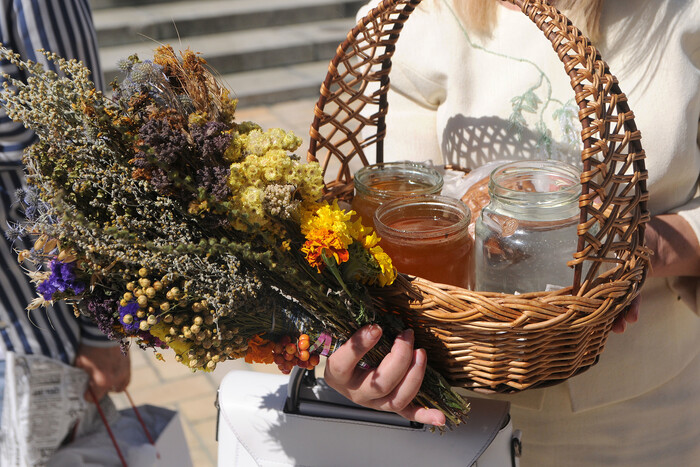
(614, 194)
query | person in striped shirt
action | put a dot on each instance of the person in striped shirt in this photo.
(64, 27)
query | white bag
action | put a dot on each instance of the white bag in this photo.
(274, 420)
(42, 400)
(93, 447)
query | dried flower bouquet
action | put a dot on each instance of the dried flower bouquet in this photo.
(174, 226)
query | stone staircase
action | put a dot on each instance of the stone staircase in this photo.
(267, 51)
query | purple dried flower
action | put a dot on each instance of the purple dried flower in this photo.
(46, 290)
(151, 341)
(141, 161)
(102, 311)
(66, 270)
(211, 140)
(130, 308)
(168, 144)
(214, 180)
(161, 182)
(62, 279)
(78, 287)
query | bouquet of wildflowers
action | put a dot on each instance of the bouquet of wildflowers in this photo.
(174, 226)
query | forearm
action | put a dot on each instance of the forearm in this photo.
(675, 246)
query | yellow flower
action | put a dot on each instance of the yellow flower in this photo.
(198, 118)
(266, 163)
(329, 217)
(329, 230)
(234, 150)
(388, 274)
(370, 241)
(358, 230)
(160, 330)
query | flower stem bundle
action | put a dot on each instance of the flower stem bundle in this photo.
(175, 226)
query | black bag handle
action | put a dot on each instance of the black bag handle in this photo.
(311, 396)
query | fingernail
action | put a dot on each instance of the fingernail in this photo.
(420, 357)
(406, 334)
(374, 331)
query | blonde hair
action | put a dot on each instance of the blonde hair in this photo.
(480, 15)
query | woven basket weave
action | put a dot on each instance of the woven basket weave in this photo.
(495, 342)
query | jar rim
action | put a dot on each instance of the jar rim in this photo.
(451, 206)
(387, 170)
(567, 182)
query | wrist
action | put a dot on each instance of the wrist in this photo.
(675, 246)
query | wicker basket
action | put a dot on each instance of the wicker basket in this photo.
(494, 342)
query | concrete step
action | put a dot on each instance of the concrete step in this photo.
(100, 4)
(160, 21)
(267, 51)
(280, 84)
(243, 51)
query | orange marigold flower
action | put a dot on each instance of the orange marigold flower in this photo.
(259, 350)
(322, 241)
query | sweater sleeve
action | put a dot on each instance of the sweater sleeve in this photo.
(413, 100)
(412, 132)
(416, 91)
(688, 287)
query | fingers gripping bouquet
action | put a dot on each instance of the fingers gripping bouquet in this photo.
(174, 226)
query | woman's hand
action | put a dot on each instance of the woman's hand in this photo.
(675, 246)
(629, 316)
(108, 367)
(676, 252)
(391, 386)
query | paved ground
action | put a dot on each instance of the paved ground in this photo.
(171, 384)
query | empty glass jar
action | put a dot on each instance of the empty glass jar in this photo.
(528, 231)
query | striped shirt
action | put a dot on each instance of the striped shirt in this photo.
(64, 27)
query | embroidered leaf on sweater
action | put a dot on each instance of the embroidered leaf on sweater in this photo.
(528, 102)
(535, 101)
(567, 116)
(544, 140)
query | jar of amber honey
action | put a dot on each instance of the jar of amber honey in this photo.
(379, 183)
(427, 236)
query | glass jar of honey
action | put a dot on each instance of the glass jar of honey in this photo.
(528, 232)
(427, 236)
(378, 183)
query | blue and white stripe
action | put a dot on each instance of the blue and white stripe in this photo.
(64, 27)
(61, 26)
